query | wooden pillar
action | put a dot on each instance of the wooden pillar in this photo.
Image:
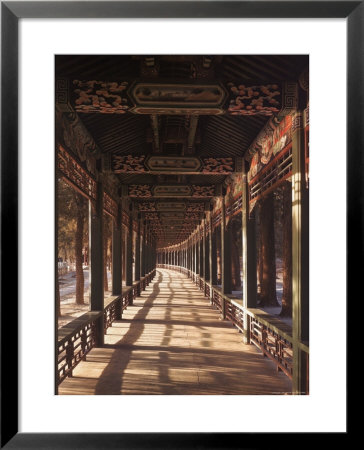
(201, 253)
(213, 254)
(212, 257)
(129, 250)
(97, 260)
(116, 254)
(249, 257)
(226, 256)
(197, 253)
(300, 256)
(206, 252)
(142, 248)
(189, 250)
(147, 248)
(137, 251)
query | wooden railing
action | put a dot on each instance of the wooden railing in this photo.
(78, 337)
(75, 340)
(273, 345)
(272, 336)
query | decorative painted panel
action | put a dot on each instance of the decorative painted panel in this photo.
(270, 141)
(176, 98)
(74, 173)
(74, 136)
(175, 206)
(172, 215)
(110, 205)
(172, 164)
(171, 191)
(273, 174)
(100, 97)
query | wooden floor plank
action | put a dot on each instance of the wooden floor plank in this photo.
(172, 342)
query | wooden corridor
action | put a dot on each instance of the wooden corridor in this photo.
(171, 341)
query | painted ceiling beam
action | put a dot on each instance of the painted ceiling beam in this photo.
(171, 191)
(200, 97)
(175, 165)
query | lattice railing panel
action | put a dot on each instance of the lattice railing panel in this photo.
(72, 349)
(273, 345)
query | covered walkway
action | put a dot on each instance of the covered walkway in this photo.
(172, 341)
(183, 205)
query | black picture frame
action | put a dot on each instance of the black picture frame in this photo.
(11, 12)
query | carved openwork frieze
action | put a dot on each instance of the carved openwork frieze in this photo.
(140, 190)
(218, 165)
(195, 207)
(75, 174)
(147, 206)
(265, 99)
(203, 191)
(94, 96)
(152, 216)
(129, 163)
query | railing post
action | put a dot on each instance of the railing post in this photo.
(69, 356)
(300, 257)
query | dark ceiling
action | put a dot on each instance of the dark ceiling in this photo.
(221, 135)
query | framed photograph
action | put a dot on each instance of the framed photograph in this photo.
(39, 41)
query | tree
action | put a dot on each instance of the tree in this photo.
(287, 250)
(268, 296)
(72, 212)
